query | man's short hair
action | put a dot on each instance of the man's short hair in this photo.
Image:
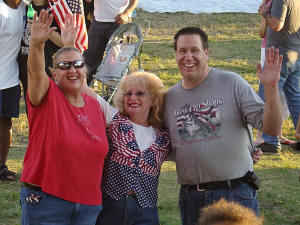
(192, 30)
(230, 212)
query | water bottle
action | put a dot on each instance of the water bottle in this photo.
(30, 12)
(26, 36)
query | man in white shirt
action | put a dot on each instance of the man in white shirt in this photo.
(109, 15)
(12, 21)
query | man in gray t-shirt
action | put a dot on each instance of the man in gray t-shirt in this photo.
(208, 114)
(283, 32)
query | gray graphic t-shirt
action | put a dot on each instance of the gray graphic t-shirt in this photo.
(209, 127)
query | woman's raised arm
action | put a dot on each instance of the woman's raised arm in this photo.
(38, 81)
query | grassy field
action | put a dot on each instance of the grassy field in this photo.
(235, 46)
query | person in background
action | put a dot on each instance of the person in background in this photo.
(63, 164)
(283, 32)
(228, 213)
(88, 7)
(285, 110)
(208, 114)
(51, 46)
(296, 146)
(137, 147)
(12, 19)
(108, 16)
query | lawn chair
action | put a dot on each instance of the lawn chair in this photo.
(124, 45)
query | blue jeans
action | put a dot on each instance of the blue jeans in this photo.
(191, 201)
(55, 211)
(290, 84)
(126, 211)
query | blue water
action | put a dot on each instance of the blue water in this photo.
(200, 6)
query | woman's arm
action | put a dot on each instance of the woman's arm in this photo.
(38, 81)
(56, 39)
(262, 28)
(263, 23)
(107, 109)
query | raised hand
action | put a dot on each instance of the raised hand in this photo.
(40, 28)
(69, 30)
(263, 8)
(270, 74)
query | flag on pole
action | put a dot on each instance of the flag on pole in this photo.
(61, 8)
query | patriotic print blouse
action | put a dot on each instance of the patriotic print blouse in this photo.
(127, 168)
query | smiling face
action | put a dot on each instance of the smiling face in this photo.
(70, 80)
(191, 59)
(137, 103)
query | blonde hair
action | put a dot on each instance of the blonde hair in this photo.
(155, 88)
(230, 212)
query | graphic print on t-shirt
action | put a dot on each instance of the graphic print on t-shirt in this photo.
(85, 123)
(197, 123)
(26, 37)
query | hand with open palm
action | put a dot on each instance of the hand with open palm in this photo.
(270, 74)
(40, 28)
(69, 30)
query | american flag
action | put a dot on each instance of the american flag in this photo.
(61, 8)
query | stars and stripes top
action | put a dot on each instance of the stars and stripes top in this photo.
(128, 168)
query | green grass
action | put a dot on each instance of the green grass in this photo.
(235, 46)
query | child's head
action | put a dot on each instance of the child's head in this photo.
(228, 213)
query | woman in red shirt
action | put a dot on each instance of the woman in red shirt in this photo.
(63, 164)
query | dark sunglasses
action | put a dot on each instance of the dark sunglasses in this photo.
(78, 64)
(139, 94)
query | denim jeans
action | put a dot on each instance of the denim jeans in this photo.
(99, 35)
(55, 211)
(191, 201)
(290, 84)
(126, 211)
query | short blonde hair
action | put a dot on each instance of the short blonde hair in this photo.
(230, 212)
(155, 88)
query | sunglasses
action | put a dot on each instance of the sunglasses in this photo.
(139, 94)
(78, 64)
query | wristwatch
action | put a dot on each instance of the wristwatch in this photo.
(265, 14)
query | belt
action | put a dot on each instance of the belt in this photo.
(32, 187)
(131, 193)
(216, 185)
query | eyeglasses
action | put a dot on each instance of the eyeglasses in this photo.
(139, 94)
(78, 64)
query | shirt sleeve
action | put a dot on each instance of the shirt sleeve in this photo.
(251, 105)
(107, 109)
(279, 9)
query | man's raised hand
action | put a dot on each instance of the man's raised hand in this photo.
(270, 74)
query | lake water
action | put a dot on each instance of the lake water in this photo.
(200, 6)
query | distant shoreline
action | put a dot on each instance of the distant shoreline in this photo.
(200, 6)
(199, 12)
